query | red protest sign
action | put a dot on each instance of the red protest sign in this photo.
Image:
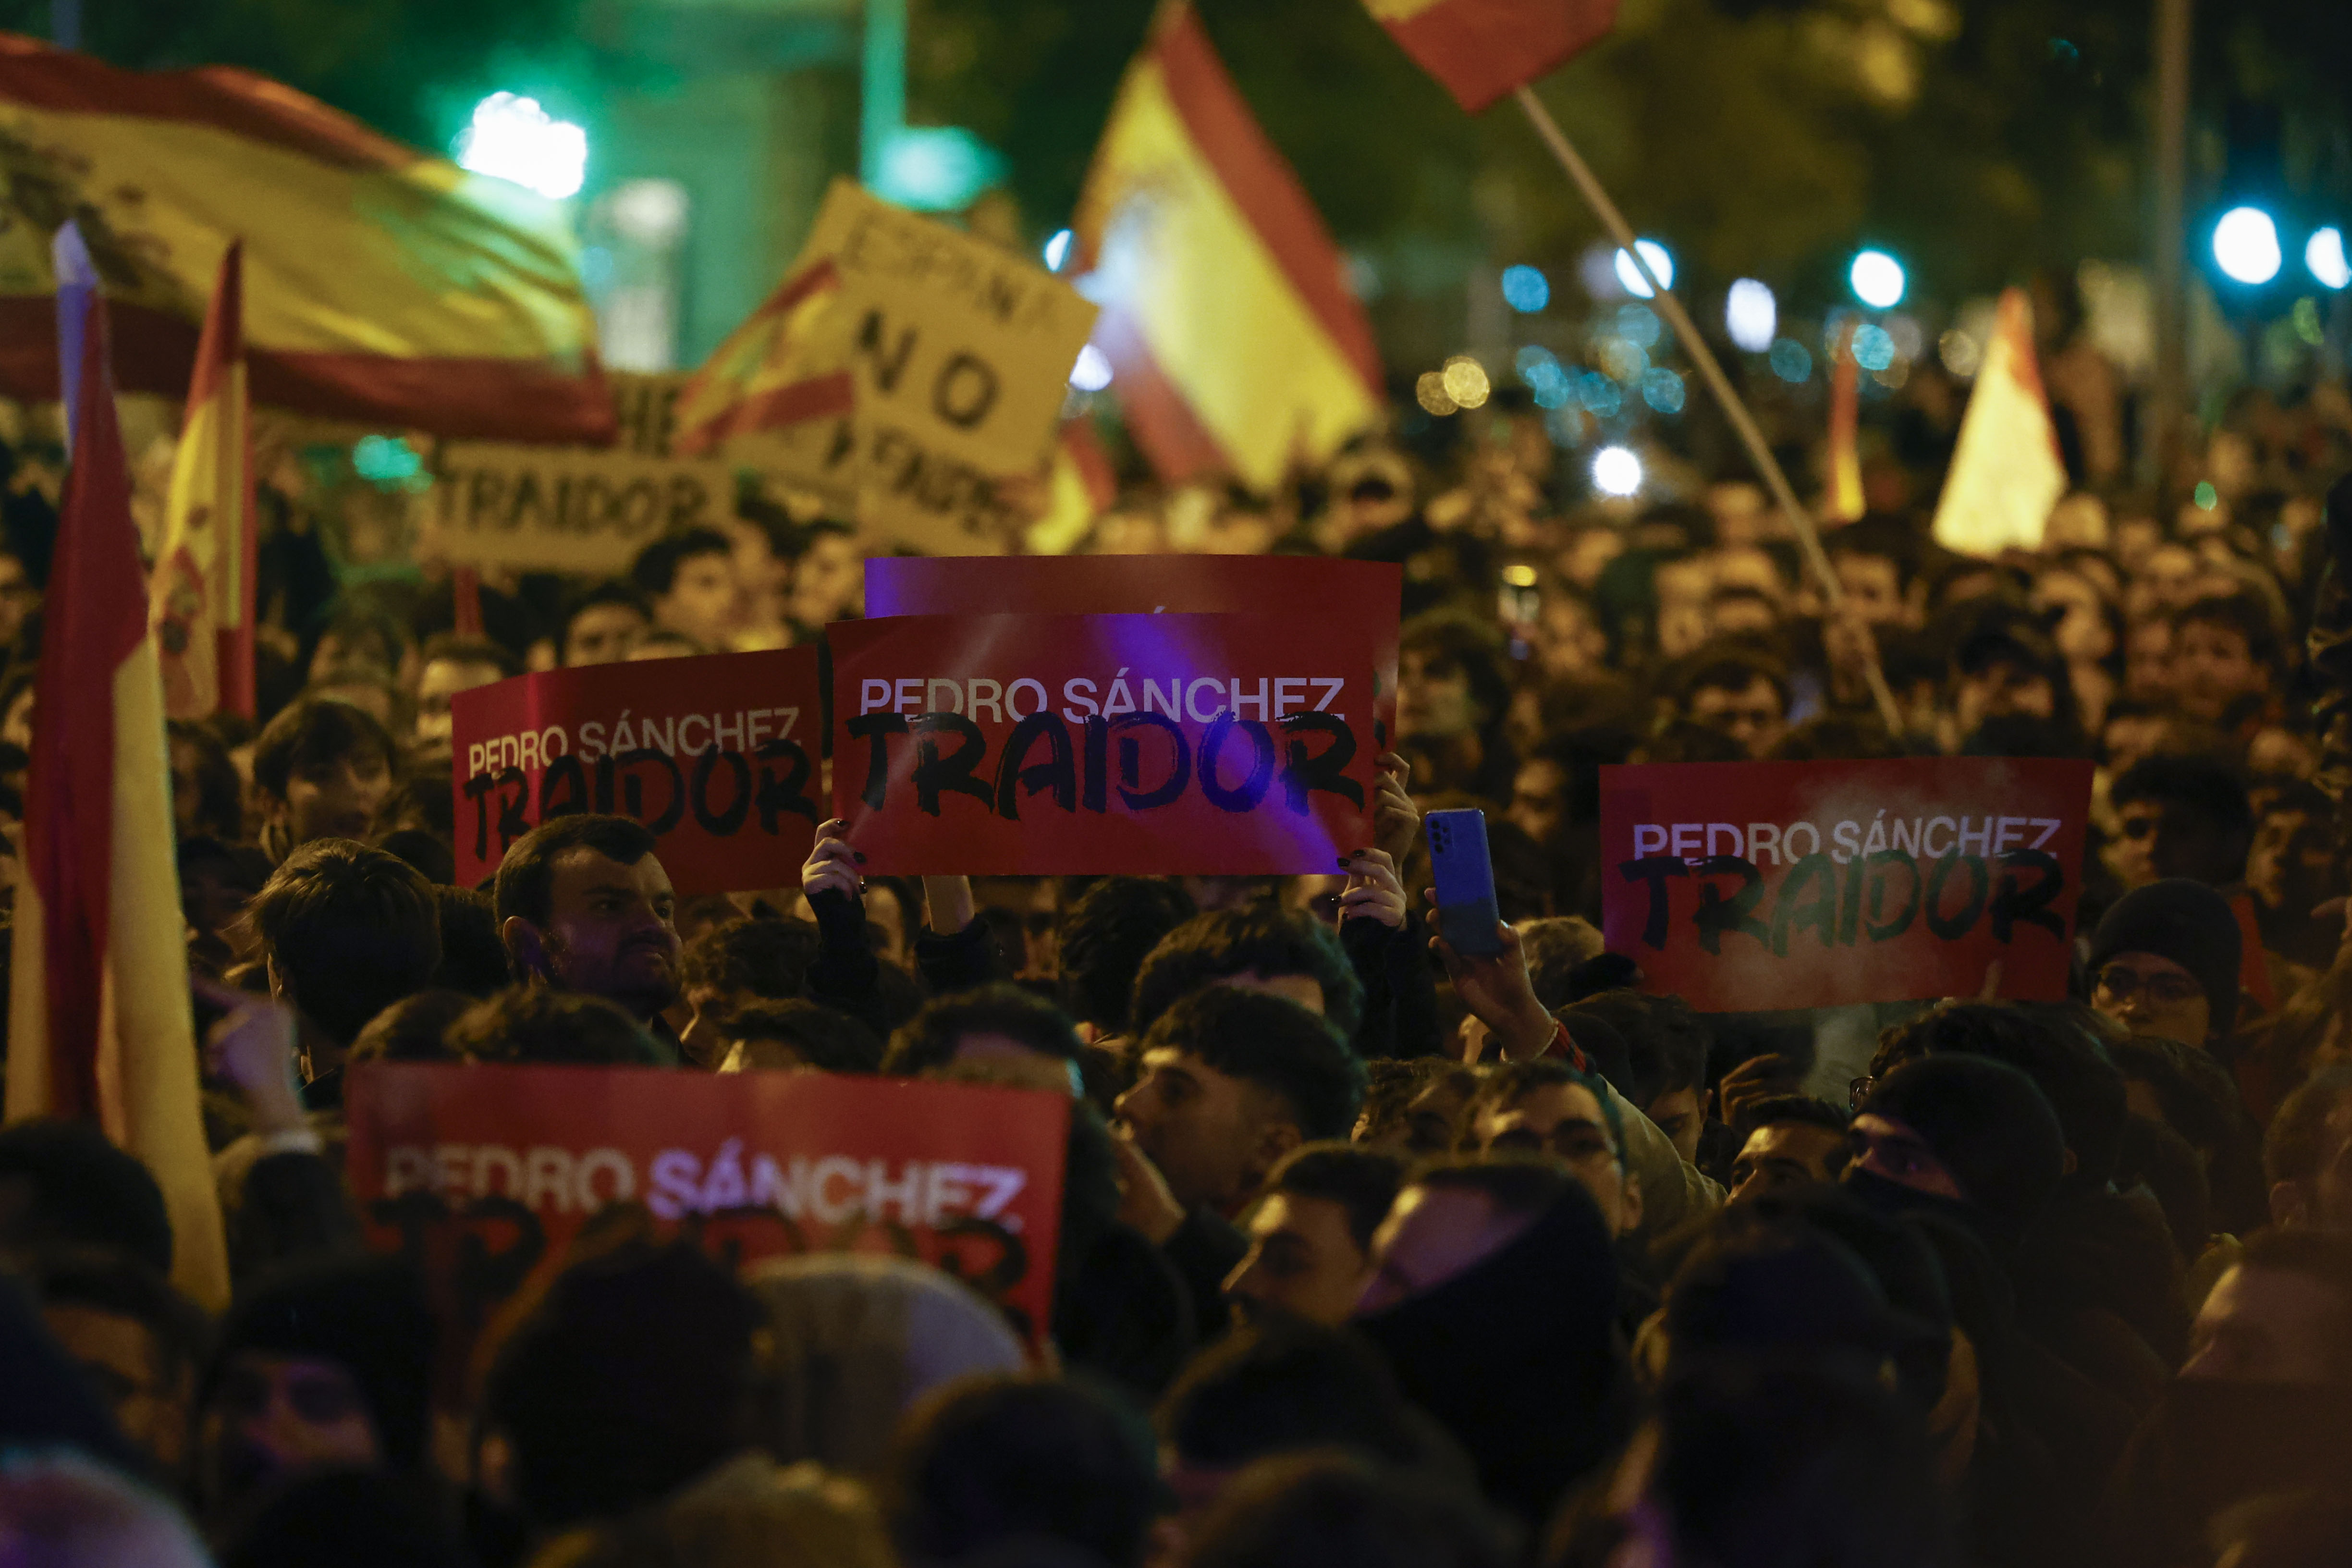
(1743, 886)
(482, 1175)
(717, 755)
(1372, 591)
(1236, 745)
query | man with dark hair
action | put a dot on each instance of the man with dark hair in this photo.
(452, 663)
(1103, 938)
(731, 966)
(320, 769)
(998, 1031)
(2225, 657)
(346, 931)
(1310, 1233)
(535, 1026)
(1737, 692)
(600, 625)
(1792, 1141)
(139, 1341)
(1666, 1049)
(2293, 867)
(2164, 962)
(585, 905)
(63, 1184)
(688, 579)
(1547, 1106)
(2307, 1154)
(797, 1035)
(2182, 816)
(1875, 559)
(1258, 947)
(1328, 1509)
(827, 580)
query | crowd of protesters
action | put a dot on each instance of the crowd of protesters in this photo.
(1372, 1252)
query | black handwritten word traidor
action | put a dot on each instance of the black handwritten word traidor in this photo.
(724, 788)
(1874, 896)
(1234, 763)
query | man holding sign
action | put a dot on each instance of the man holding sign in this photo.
(585, 905)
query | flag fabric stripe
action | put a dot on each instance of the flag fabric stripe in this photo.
(1481, 49)
(2007, 471)
(383, 285)
(1161, 422)
(1261, 182)
(767, 375)
(200, 596)
(1845, 497)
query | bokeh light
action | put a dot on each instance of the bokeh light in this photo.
(2206, 496)
(1638, 325)
(1791, 360)
(1751, 315)
(1623, 360)
(1878, 280)
(1959, 352)
(1616, 471)
(2323, 254)
(1092, 373)
(1465, 381)
(1057, 250)
(1662, 389)
(2246, 245)
(1874, 347)
(513, 138)
(1659, 263)
(1430, 393)
(1598, 395)
(1525, 290)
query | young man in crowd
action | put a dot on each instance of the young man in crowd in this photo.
(585, 905)
(600, 625)
(321, 770)
(1310, 1234)
(689, 581)
(449, 665)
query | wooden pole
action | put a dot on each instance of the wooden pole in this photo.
(1809, 538)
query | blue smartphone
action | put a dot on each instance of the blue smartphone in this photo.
(1467, 912)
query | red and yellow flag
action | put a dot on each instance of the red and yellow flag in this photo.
(787, 364)
(200, 596)
(1234, 344)
(99, 1025)
(2007, 472)
(384, 287)
(1845, 500)
(1481, 49)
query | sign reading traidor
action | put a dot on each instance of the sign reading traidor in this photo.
(1212, 744)
(716, 755)
(482, 1175)
(1742, 886)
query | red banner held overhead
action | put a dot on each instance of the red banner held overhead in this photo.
(718, 755)
(484, 1174)
(1236, 745)
(1863, 881)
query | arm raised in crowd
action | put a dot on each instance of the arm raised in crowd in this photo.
(846, 977)
(291, 1203)
(953, 950)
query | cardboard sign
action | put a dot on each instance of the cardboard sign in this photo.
(575, 509)
(718, 755)
(484, 1174)
(962, 352)
(1236, 745)
(1150, 584)
(1745, 886)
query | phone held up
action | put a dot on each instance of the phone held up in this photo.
(1467, 911)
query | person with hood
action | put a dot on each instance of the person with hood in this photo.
(1963, 1135)
(1495, 1301)
(2165, 959)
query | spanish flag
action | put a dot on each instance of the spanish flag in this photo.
(200, 596)
(99, 1025)
(787, 364)
(2006, 471)
(1481, 49)
(1845, 501)
(1235, 345)
(384, 287)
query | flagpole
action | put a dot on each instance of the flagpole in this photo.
(1808, 537)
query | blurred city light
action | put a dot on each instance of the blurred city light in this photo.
(1631, 275)
(1430, 393)
(937, 168)
(1598, 395)
(1874, 347)
(1616, 471)
(513, 138)
(1638, 325)
(2324, 255)
(1877, 279)
(2246, 245)
(1751, 315)
(1662, 389)
(386, 460)
(1057, 250)
(1465, 381)
(1791, 360)
(1525, 290)
(1092, 373)
(1959, 352)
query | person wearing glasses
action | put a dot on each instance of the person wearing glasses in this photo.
(2164, 962)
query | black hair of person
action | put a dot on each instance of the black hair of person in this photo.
(1103, 937)
(220, 808)
(928, 1040)
(540, 1026)
(768, 959)
(473, 958)
(1667, 1044)
(1447, 640)
(456, 648)
(1885, 535)
(1282, 1386)
(1511, 1082)
(2297, 1139)
(1519, 1186)
(1363, 1182)
(823, 1037)
(114, 1283)
(349, 930)
(2211, 787)
(610, 591)
(2241, 614)
(1272, 1043)
(2083, 1086)
(1728, 667)
(1259, 938)
(413, 1029)
(80, 1190)
(315, 732)
(364, 620)
(1343, 1511)
(526, 880)
(655, 570)
(1791, 1110)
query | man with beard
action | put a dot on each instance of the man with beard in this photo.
(583, 905)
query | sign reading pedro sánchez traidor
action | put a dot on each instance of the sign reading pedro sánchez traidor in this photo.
(1214, 744)
(1741, 886)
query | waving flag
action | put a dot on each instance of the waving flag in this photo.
(1235, 345)
(2006, 472)
(200, 596)
(384, 286)
(99, 1017)
(787, 364)
(1843, 502)
(1481, 49)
